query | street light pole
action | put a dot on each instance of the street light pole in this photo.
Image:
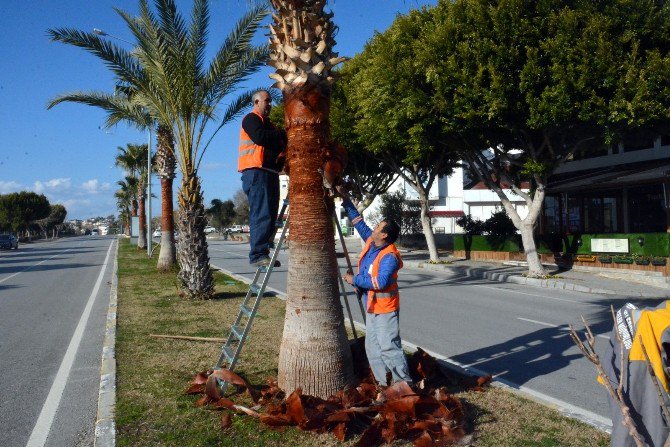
(150, 242)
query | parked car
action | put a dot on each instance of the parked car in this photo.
(209, 229)
(87, 232)
(95, 232)
(9, 241)
(156, 233)
(236, 228)
(245, 229)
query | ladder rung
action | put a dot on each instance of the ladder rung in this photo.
(246, 311)
(255, 288)
(228, 353)
(237, 332)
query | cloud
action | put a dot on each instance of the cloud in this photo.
(94, 186)
(53, 185)
(9, 186)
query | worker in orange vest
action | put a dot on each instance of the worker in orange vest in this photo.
(261, 158)
(377, 278)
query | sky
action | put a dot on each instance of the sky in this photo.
(66, 153)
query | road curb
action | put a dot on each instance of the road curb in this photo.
(105, 427)
(565, 408)
(481, 273)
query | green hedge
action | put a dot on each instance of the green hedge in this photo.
(486, 243)
(655, 244)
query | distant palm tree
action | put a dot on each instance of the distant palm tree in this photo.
(133, 158)
(123, 203)
(174, 85)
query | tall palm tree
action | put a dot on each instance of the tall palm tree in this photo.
(119, 107)
(127, 196)
(133, 158)
(175, 85)
(314, 352)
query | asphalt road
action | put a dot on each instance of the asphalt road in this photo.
(517, 333)
(53, 308)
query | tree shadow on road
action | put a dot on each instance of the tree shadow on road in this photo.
(44, 267)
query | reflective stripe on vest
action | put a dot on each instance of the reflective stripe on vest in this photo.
(388, 299)
(250, 154)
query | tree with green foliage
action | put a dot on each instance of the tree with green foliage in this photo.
(534, 82)
(241, 202)
(367, 175)
(221, 213)
(53, 222)
(174, 84)
(394, 113)
(19, 209)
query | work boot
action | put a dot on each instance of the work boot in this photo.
(265, 262)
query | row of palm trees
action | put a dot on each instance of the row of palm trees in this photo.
(165, 83)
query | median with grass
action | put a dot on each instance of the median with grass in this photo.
(153, 373)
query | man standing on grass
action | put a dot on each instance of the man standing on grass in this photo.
(261, 157)
(377, 278)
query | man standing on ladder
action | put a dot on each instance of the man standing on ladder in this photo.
(261, 158)
(377, 279)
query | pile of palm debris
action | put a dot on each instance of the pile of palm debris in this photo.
(425, 415)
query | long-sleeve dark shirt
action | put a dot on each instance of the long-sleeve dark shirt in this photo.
(264, 133)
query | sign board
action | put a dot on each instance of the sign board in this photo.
(134, 226)
(609, 245)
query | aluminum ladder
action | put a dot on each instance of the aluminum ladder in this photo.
(239, 331)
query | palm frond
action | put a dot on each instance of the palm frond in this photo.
(118, 108)
(235, 46)
(120, 61)
(234, 110)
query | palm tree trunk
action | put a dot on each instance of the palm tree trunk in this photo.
(165, 167)
(314, 353)
(167, 255)
(142, 237)
(194, 273)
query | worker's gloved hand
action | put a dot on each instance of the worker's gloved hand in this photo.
(342, 191)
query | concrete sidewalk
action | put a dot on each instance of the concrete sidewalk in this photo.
(579, 281)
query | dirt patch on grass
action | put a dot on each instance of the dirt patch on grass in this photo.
(152, 374)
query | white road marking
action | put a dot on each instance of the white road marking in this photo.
(40, 432)
(34, 265)
(562, 327)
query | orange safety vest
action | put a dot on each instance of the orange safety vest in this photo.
(250, 154)
(382, 301)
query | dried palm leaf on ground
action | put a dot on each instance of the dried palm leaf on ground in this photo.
(430, 415)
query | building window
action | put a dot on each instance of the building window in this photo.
(552, 215)
(637, 144)
(645, 209)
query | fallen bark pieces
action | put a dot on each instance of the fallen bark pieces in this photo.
(428, 415)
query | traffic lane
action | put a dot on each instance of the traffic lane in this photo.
(519, 334)
(39, 310)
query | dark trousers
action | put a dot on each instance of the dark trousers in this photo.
(262, 190)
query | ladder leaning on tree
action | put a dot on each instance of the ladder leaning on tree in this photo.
(239, 331)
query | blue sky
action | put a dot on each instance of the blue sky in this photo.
(65, 153)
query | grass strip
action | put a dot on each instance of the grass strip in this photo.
(152, 373)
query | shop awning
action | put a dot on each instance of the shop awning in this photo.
(612, 177)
